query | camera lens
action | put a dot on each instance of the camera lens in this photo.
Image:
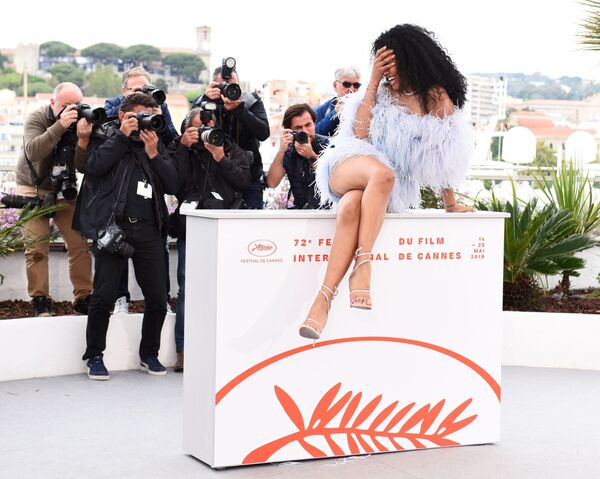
(157, 122)
(159, 96)
(232, 91)
(69, 190)
(96, 116)
(300, 137)
(124, 249)
(213, 136)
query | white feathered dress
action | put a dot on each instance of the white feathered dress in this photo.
(423, 150)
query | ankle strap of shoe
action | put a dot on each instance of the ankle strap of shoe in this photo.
(333, 292)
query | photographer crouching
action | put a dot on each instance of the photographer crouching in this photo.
(122, 209)
(212, 173)
(55, 140)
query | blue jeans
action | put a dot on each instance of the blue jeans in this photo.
(253, 195)
(180, 310)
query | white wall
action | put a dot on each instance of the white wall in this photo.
(41, 347)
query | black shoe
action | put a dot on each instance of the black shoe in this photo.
(153, 366)
(81, 305)
(97, 370)
(41, 306)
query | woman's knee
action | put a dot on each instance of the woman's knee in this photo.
(384, 178)
(349, 207)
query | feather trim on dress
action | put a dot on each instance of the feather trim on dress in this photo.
(423, 150)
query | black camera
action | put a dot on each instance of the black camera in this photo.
(96, 116)
(159, 96)
(213, 136)
(150, 121)
(64, 182)
(112, 240)
(300, 137)
(231, 91)
(19, 202)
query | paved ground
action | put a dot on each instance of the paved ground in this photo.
(130, 427)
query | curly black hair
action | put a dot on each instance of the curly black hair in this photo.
(422, 63)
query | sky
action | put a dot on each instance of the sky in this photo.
(309, 39)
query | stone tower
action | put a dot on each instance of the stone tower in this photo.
(203, 47)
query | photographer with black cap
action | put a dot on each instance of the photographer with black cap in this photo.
(212, 172)
(297, 156)
(54, 144)
(122, 209)
(244, 118)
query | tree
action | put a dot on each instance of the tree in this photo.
(103, 82)
(55, 49)
(34, 88)
(161, 84)
(3, 58)
(63, 72)
(103, 51)
(185, 66)
(589, 38)
(544, 155)
(12, 80)
(141, 54)
(193, 95)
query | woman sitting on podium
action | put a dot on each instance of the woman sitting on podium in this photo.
(405, 131)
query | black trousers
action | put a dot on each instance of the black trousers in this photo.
(150, 273)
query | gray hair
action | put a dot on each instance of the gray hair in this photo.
(193, 113)
(62, 86)
(134, 72)
(347, 72)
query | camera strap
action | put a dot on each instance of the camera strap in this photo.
(36, 178)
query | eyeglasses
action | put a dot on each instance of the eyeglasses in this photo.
(348, 84)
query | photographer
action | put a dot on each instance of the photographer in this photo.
(212, 172)
(347, 80)
(122, 208)
(134, 80)
(55, 141)
(298, 151)
(243, 119)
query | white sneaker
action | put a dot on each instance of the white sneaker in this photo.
(121, 306)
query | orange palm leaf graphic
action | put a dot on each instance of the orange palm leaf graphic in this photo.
(385, 426)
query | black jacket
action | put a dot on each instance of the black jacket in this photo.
(198, 175)
(247, 124)
(110, 162)
(301, 174)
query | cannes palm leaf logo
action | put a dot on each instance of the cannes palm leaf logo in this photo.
(385, 430)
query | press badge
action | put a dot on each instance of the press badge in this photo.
(217, 195)
(144, 189)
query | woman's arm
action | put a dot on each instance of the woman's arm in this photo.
(384, 60)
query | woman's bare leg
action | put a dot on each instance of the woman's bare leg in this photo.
(342, 250)
(355, 177)
(373, 207)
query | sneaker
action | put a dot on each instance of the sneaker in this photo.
(153, 366)
(179, 364)
(81, 305)
(41, 306)
(97, 370)
(121, 306)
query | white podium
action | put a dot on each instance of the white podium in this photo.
(420, 370)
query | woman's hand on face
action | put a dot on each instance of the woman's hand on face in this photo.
(384, 61)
